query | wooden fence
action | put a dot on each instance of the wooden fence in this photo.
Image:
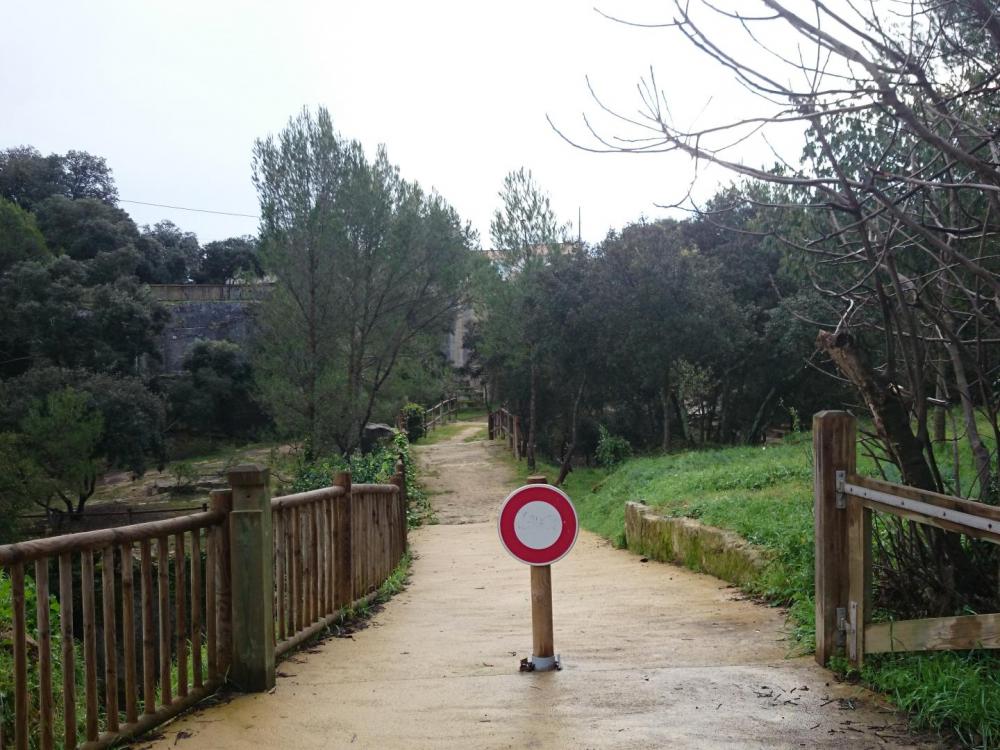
(843, 506)
(165, 612)
(444, 411)
(506, 426)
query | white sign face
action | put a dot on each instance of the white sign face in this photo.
(538, 525)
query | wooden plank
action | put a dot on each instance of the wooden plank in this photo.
(211, 612)
(342, 526)
(859, 567)
(163, 592)
(20, 644)
(128, 633)
(313, 511)
(278, 517)
(288, 530)
(932, 498)
(222, 501)
(148, 628)
(89, 641)
(110, 639)
(297, 587)
(934, 634)
(833, 450)
(180, 615)
(98, 540)
(917, 515)
(43, 637)
(196, 589)
(68, 654)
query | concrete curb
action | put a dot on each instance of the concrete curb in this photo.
(687, 542)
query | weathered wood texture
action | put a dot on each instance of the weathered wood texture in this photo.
(934, 634)
(833, 450)
(158, 600)
(844, 504)
(97, 570)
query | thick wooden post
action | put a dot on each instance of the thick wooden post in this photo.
(343, 575)
(834, 434)
(517, 438)
(489, 426)
(253, 579)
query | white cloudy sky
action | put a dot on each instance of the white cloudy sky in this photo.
(173, 94)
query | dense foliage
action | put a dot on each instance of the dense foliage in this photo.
(376, 467)
(79, 379)
(370, 270)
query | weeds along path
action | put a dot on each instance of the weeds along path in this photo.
(655, 656)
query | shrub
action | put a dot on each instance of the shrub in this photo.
(413, 421)
(611, 449)
(375, 467)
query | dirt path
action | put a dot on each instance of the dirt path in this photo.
(655, 656)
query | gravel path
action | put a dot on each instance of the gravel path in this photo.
(655, 656)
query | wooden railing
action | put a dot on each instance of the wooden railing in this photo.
(506, 426)
(161, 627)
(333, 547)
(844, 503)
(444, 411)
(158, 615)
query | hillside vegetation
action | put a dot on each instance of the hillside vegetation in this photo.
(764, 494)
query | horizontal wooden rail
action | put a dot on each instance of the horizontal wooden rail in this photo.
(95, 540)
(934, 634)
(933, 509)
(304, 498)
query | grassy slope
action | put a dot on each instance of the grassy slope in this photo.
(765, 495)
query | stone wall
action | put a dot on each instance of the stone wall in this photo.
(720, 553)
(214, 312)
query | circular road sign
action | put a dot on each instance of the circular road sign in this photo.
(538, 524)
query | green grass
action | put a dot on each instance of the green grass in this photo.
(764, 494)
(443, 433)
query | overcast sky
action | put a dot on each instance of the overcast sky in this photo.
(173, 95)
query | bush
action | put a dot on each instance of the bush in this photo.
(375, 467)
(611, 449)
(413, 421)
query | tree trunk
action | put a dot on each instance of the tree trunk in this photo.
(532, 408)
(567, 462)
(940, 410)
(889, 412)
(665, 404)
(980, 452)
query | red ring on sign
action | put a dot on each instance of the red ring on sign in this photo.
(547, 494)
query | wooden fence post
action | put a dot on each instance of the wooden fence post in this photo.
(834, 450)
(490, 429)
(343, 577)
(517, 438)
(252, 549)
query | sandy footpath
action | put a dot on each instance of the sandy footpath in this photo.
(654, 656)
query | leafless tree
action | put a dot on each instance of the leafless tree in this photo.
(895, 207)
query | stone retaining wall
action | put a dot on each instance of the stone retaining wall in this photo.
(720, 553)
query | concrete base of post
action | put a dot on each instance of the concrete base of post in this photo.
(545, 663)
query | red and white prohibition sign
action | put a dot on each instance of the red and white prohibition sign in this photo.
(538, 524)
